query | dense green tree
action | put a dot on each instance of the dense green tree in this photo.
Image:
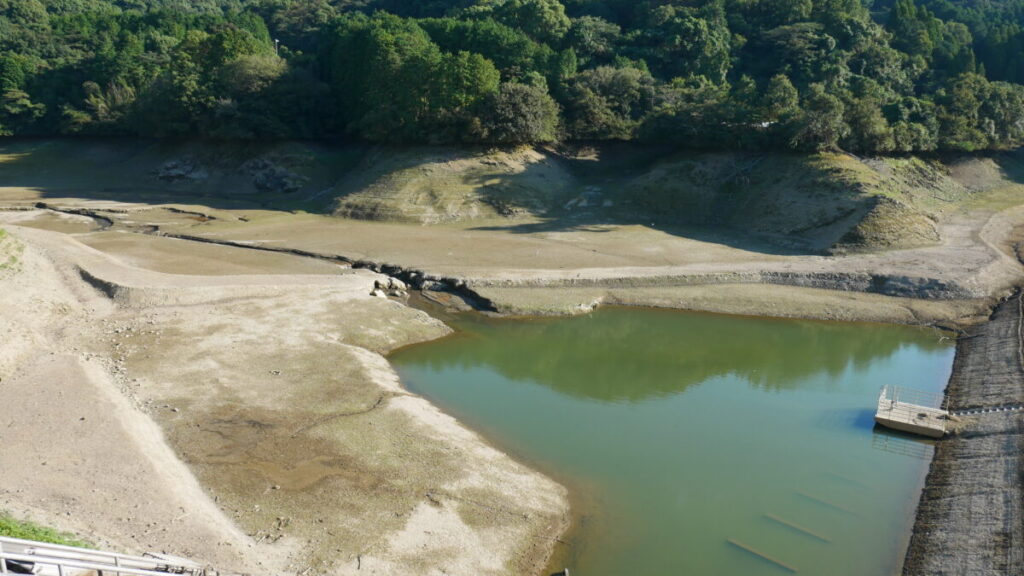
(594, 39)
(803, 52)
(695, 114)
(959, 113)
(820, 125)
(12, 72)
(869, 131)
(18, 112)
(924, 75)
(543, 20)
(395, 84)
(105, 109)
(251, 73)
(609, 102)
(681, 42)
(781, 99)
(461, 80)
(512, 51)
(915, 126)
(1001, 120)
(519, 114)
(296, 23)
(380, 69)
(28, 15)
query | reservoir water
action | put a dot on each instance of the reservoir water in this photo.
(693, 442)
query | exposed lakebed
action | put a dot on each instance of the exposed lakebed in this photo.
(692, 440)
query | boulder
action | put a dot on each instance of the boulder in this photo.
(181, 169)
(270, 177)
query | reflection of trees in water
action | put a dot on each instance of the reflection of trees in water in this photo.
(632, 355)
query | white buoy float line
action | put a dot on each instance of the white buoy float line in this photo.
(989, 410)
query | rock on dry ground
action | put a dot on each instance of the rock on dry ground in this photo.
(249, 421)
(970, 520)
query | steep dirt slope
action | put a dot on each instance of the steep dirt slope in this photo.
(821, 202)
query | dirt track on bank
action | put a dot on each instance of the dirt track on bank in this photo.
(970, 520)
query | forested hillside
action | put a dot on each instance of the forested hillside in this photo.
(873, 77)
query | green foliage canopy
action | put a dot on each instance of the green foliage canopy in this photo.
(907, 76)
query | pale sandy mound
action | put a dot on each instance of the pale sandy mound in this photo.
(430, 186)
(77, 455)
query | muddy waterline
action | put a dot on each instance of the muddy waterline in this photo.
(693, 443)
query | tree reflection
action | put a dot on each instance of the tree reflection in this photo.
(619, 355)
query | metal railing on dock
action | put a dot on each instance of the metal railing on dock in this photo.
(913, 411)
(900, 395)
(19, 556)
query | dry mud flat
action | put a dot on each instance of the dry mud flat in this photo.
(262, 374)
(573, 271)
(970, 520)
(248, 421)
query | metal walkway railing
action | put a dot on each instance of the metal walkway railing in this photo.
(29, 557)
(897, 394)
(913, 411)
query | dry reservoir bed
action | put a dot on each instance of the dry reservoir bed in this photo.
(226, 350)
(269, 394)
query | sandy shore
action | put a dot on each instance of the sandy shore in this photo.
(970, 519)
(248, 421)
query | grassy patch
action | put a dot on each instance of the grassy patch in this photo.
(13, 528)
(10, 250)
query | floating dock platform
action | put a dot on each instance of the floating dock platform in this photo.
(913, 411)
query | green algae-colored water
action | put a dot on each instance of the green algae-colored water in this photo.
(679, 432)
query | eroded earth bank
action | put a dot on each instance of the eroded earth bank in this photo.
(193, 360)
